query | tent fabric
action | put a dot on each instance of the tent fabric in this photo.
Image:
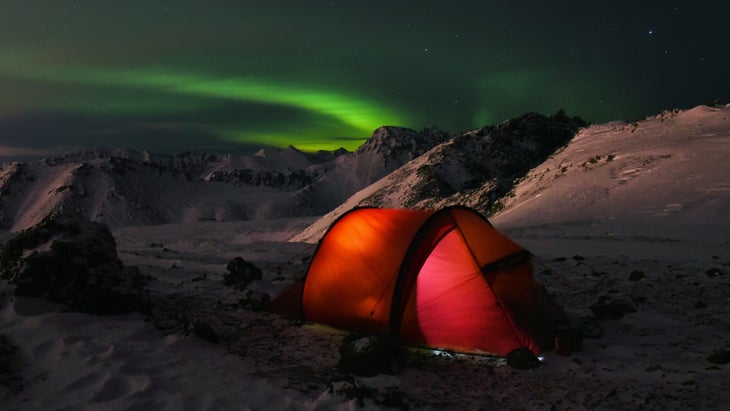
(443, 279)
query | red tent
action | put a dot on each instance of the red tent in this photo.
(444, 279)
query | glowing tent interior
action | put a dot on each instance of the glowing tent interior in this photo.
(443, 279)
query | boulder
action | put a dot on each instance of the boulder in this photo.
(73, 262)
(368, 355)
(241, 273)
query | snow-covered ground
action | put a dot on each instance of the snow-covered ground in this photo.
(651, 359)
(644, 231)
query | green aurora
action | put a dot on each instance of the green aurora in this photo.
(232, 76)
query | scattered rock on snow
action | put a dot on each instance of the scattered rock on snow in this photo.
(74, 262)
(609, 309)
(714, 272)
(368, 355)
(255, 300)
(206, 328)
(720, 356)
(636, 275)
(362, 390)
(241, 273)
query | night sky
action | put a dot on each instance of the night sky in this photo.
(172, 76)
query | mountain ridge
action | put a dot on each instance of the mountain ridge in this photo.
(129, 187)
(485, 168)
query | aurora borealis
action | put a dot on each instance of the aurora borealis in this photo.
(235, 75)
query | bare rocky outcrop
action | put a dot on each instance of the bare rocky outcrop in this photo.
(73, 262)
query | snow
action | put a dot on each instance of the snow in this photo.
(652, 359)
(659, 206)
(635, 179)
(75, 361)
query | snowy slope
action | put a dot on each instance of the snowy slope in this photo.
(653, 176)
(128, 187)
(474, 169)
(384, 152)
(124, 192)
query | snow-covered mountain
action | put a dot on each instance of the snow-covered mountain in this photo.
(665, 170)
(385, 151)
(475, 168)
(673, 165)
(651, 177)
(128, 187)
(643, 208)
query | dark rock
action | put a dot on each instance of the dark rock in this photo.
(636, 275)
(288, 179)
(559, 259)
(73, 262)
(206, 328)
(608, 309)
(255, 300)
(720, 356)
(578, 258)
(714, 272)
(700, 304)
(522, 359)
(368, 355)
(241, 273)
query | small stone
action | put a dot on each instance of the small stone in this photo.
(720, 356)
(241, 273)
(608, 309)
(206, 329)
(522, 359)
(367, 355)
(636, 275)
(714, 272)
(255, 300)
